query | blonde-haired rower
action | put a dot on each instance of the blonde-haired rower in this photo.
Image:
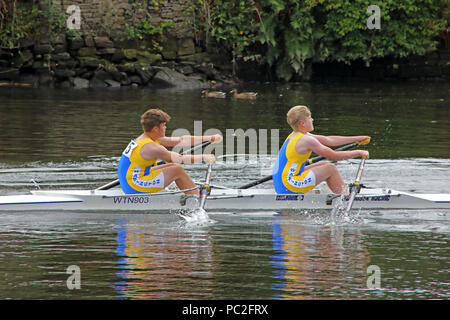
(291, 173)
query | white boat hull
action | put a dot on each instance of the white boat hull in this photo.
(219, 199)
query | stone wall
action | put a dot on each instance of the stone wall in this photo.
(99, 57)
(108, 17)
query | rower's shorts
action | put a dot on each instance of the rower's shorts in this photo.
(303, 183)
(151, 182)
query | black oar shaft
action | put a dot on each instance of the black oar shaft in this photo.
(254, 183)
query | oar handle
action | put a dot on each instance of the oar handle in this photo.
(363, 142)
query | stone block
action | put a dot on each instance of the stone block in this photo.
(87, 52)
(9, 74)
(119, 76)
(169, 51)
(146, 74)
(63, 56)
(75, 44)
(103, 42)
(64, 73)
(97, 83)
(112, 83)
(166, 77)
(195, 58)
(135, 79)
(64, 84)
(102, 75)
(26, 42)
(185, 46)
(42, 48)
(59, 48)
(92, 62)
(40, 64)
(186, 69)
(80, 83)
(125, 54)
(6, 54)
(22, 58)
(89, 41)
(126, 68)
(105, 51)
(145, 58)
(59, 39)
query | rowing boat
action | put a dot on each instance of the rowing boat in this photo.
(110, 197)
(222, 199)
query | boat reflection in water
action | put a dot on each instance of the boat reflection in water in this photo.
(276, 257)
(312, 261)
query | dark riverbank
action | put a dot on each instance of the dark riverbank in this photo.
(97, 62)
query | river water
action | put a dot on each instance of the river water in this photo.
(66, 139)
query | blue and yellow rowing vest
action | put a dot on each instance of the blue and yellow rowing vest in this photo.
(136, 175)
(289, 174)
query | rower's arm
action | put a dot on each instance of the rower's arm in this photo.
(338, 140)
(185, 141)
(317, 147)
(152, 151)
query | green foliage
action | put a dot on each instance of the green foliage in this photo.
(407, 27)
(18, 21)
(294, 33)
(140, 27)
(26, 19)
(52, 18)
(233, 25)
(297, 32)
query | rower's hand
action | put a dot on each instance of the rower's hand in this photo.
(210, 158)
(364, 141)
(363, 154)
(216, 138)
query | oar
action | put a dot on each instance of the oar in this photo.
(355, 186)
(191, 150)
(310, 161)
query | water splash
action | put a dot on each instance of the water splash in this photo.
(340, 216)
(195, 217)
(336, 217)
